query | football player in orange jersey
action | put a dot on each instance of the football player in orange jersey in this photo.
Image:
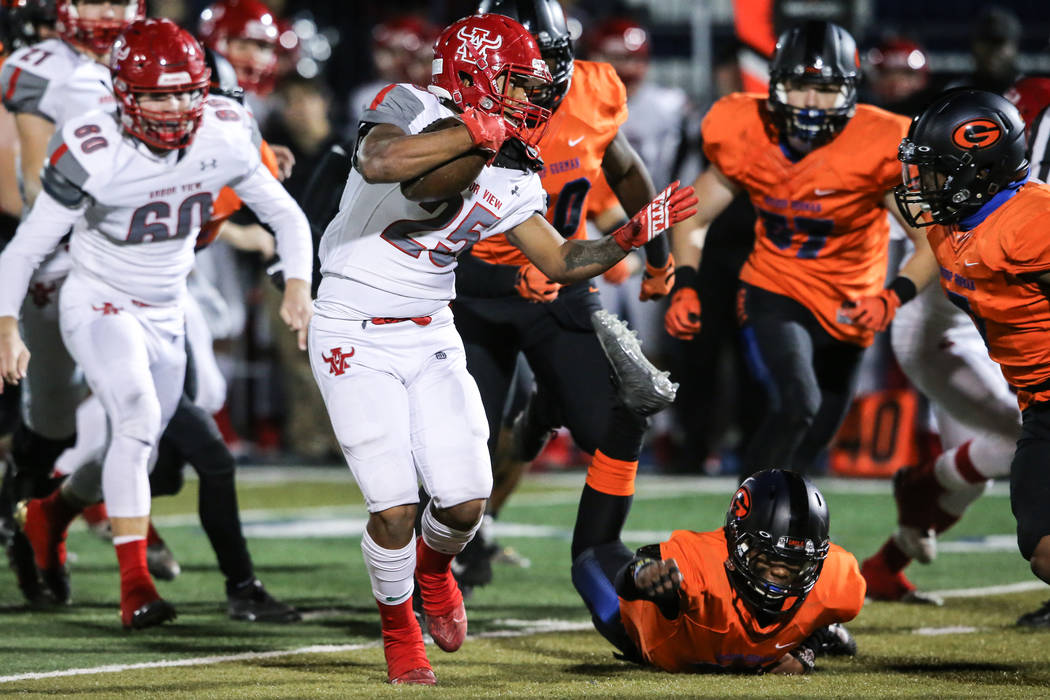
(505, 305)
(768, 592)
(818, 168)
(966, 176)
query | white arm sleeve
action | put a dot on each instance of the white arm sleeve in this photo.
(38, 235)
(273, 205)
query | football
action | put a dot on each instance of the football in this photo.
(449, 178)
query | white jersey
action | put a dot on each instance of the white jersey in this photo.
(385, 256)
(53, 80)
(136, 214)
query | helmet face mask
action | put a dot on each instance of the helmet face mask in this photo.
(154, 61)
(87, 30)
(775, 552)
(965, 147)
(817, 55)
(486, 62)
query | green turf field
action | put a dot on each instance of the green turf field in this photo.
(530, 635)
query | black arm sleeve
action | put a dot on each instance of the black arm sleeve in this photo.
(668, 603)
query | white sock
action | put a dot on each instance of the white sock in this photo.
(390, 570)
(442, 538)
(124, 539)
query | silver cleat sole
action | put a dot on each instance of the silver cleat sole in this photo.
(642, 387)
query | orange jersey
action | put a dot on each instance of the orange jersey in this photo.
(716, 627)
(821, 236)
(228, 202)
(572, 149)
(989, 272)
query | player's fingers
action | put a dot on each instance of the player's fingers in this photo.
(23, 363)
(301, 337)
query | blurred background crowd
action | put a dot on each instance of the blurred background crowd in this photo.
(324, 60)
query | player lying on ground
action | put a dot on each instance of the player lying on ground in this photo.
(765, 593)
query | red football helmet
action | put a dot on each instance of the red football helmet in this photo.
(155, 56)
(250, 21)
(402, 49)
(1031, 96)
(472, 55)
(625, 44)
(95, 35)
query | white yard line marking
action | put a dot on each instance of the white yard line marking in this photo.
(525, 627)
(1021, 587)
(937, 631)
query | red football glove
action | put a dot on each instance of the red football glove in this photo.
(618, 273)
(487, 131)
(534, 285)
(682, 319)
(657, 282)
(667, 208)
(873, 313)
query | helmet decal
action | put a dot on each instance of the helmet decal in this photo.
(976, 133)
(475, 44)
(741, 503)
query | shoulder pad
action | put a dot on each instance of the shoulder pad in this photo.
(406, 107)
(63, 176)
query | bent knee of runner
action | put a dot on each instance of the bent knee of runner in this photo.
(393, 527)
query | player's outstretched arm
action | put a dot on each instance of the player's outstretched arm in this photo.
(388, 154)
(574, 260)
(715, 191)
(876, 311)
(275, 207)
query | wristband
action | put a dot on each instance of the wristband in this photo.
(685, 276)
(904, 288)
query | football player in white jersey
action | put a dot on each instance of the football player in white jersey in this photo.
(44, 84)
(383, 347)
(135, 187)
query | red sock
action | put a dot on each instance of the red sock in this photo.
(436, 583)
(895, 559)
(136, 586)
(56, 514)
(152, 536)
(402, 639)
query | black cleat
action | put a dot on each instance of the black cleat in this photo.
(835, 640)
(252, 603)
(1037, 618)
(57, 582)
(473, 566)
(20, 558)
(156, 612)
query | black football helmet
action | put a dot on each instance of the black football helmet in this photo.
(776, 515)
(545, 20)
(21, 20)
(966, 146)
(814, 53)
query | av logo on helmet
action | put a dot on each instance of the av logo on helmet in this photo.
(741, 503)
(480, 40)
(122, 53)
(976, 133)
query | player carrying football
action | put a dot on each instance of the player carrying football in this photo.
(383, 347)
